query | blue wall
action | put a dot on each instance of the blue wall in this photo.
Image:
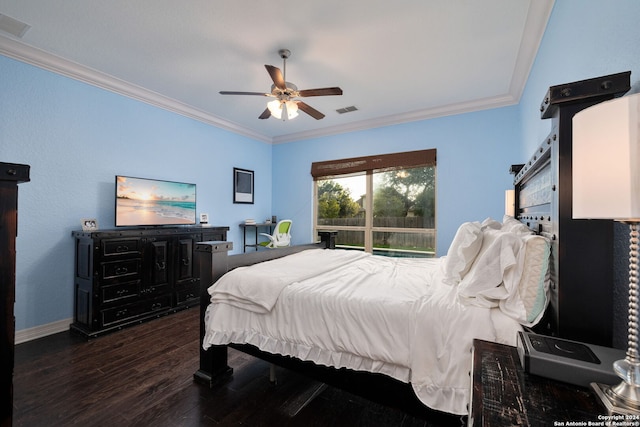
(474, 152)
(77, 137)
(585, 39)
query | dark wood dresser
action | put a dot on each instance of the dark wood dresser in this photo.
(10, 176)
(502, 394)
(125, 277)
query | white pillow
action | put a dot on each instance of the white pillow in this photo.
(528, 301)
(490, 223)
(463, 250)
(512, 225)
(496, 270)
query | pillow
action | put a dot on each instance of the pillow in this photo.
(462, 252)
(512, 225)
(490, 223)
(496, 270)
(528, 301)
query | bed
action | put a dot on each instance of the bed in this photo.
(410, 347)
(410, 319)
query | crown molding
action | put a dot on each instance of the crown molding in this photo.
(537, 18)
(47, 61)
(396, 119)
(532, 34)
(536, 24)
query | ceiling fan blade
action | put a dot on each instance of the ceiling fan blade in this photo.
(321, 91)
(227, 92)
(265, 114)
(310, 110)
(276, 76)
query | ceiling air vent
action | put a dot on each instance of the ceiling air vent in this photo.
(13, 26)
(347, 109)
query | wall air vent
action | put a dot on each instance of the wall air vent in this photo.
(347, 109)
(13, 26)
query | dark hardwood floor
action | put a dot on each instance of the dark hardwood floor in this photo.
(143, 376)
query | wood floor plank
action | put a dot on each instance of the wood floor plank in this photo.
(143, 376)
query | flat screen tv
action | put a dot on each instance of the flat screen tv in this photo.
(152, 202)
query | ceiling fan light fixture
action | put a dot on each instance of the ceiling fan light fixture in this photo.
(292, 109)
(285, 110)
(275, 108)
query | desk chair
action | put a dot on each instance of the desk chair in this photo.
(281, 235)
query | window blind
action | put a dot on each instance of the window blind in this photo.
(405, 160)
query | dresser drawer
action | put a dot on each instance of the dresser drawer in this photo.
(152, 290)
(188, 294)
(113, 247)
(187, 284)
(130, 312)
(120, 293)
(126, 269)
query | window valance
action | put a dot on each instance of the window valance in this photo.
(407, 159)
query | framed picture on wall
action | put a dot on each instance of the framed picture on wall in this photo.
(242, 186)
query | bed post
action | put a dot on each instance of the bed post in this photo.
(328, 238)
(212, 259)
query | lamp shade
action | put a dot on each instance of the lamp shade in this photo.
(606, 160)
(510, 202)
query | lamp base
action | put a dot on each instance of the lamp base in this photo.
(614, 401)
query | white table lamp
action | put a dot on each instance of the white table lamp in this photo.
(606, 185)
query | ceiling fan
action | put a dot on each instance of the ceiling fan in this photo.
(285, 105)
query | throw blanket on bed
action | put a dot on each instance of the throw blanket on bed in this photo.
(257, 288)
(393, 316)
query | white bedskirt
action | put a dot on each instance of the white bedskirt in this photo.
(393, 316)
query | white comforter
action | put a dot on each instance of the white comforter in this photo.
(354, 310)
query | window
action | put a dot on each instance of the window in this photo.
(380, 204)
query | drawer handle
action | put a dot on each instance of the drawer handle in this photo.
(121, 270)
(156, 306)
(122, 292)
(122, 313)
(12, 172)
(122, 248)
(161, 265)
(185, 261)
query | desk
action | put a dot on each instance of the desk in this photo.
(266, 225)
(502, 394)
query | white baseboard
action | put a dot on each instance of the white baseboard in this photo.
(29, 334)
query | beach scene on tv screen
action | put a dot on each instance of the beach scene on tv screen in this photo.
(150, 202)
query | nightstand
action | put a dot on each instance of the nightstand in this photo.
(502, 394)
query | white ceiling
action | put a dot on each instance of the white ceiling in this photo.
(395, 61)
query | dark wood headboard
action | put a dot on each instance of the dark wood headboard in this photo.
(581, 268)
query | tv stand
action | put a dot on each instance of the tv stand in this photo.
(124, 277)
